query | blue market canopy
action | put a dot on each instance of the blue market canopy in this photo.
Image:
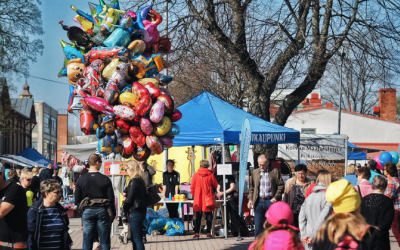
(34, 155)
(354, 154)
(209, 120)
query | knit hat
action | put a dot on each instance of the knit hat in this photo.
(343, 196)
(280, 211)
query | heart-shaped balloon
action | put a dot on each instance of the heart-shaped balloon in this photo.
(141, 153)
(161, 128)
(168, 104)
(153, 90)
(137, 136)
(176, 115)
(154, 144)
(166, 141)
(146, 126)
(124, 112)
(157, 112)
(122, 125)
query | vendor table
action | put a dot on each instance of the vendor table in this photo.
(186, 202)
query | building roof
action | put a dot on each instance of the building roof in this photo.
(343, 111)
(24, 107)
(25, 92)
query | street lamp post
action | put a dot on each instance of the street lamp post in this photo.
(342, 55)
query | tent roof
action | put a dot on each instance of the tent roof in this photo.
(81, 151)
(34, 155)
(354, 154)
(208, 120)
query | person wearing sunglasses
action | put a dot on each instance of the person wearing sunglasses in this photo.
(48, 222)
(26, 180)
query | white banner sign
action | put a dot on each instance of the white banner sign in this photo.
(314, 148)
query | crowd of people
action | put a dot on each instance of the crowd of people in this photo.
(355, 212)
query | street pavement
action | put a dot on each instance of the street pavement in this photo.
(179, 242)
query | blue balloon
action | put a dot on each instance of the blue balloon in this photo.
(395, 157)
(385, 157)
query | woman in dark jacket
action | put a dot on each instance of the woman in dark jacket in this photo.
(378, 210)
(48, 221)
(136, 203)
(296, 190)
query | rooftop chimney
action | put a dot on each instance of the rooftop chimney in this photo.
(387, 104)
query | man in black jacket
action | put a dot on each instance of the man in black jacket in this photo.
(95, 185)
(46, 173)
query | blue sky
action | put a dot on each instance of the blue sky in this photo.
(49, 64)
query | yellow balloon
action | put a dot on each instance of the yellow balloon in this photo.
(144, 81)
(110, 68)
(128, 98)
(161, 128)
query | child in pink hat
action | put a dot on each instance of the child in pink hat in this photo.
(279, 234)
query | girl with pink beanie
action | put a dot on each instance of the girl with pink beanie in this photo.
(279, 234)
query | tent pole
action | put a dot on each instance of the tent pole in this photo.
(298, 153)
(346, 141)
(193, 167)
(165, 156)
(224, 186)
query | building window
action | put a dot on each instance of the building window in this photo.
(46, 125)
(308, 130)
(35, 145)
(53, 127)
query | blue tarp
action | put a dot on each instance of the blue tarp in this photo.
(209, 120)
(34, 155)
(352, 155)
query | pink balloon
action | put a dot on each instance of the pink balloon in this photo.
(378, 164)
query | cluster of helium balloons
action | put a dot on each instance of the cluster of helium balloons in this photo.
(114, 62)
(384, 157)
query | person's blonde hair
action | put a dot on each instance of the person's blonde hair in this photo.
(134, 168)
(339, 224)
(204, 164)
(25, 174)
(351, 169)
(325, 177)
(35, 170)
(12, 173)
(49, 186)
(271, 228)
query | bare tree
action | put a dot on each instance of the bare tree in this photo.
(360, 76)
(274, 44)
(20, 21)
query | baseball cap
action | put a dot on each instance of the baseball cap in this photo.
(2, 168)
(280, 211)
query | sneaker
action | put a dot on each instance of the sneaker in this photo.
(121, 239)
(209, 236)
(196, 236)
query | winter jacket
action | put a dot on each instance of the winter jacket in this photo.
(35, 217)
(279, 240)
(365, 188)
(275, 179)
(290, 191)
(314, 212)
(46, 174)
(201, 182)
(136, 195)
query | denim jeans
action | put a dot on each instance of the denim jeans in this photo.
(65, 192)
(136, 222)
(96, 218)
(260, 209)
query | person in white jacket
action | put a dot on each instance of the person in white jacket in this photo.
(314, 210)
